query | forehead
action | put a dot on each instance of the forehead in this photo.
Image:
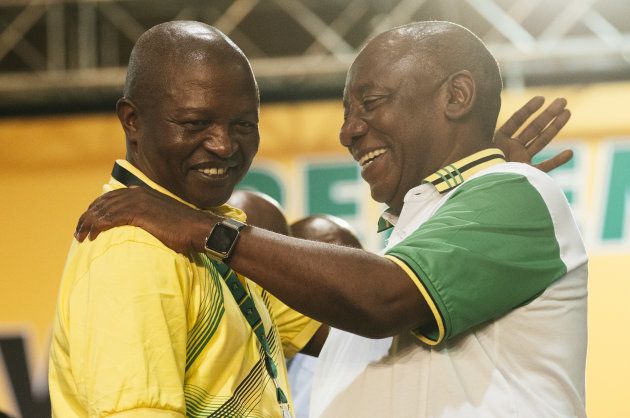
(228, 84)
(382, 69)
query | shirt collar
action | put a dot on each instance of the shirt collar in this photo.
(223, 210)
(449, 177)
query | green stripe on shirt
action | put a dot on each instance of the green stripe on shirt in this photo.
(489, 249)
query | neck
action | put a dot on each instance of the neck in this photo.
(459, 150)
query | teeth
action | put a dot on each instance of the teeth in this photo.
(213, 171)
(370, 155)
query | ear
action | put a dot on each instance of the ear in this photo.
(461, 94)
(128, 116)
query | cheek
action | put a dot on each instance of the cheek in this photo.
(249, 147)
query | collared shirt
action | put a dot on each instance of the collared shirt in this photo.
(141, 331)
(495, 253)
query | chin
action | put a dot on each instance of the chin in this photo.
(379, 195)
(209, 203)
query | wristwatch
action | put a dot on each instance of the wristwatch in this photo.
(222, 239)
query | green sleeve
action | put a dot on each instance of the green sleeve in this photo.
(489, 249)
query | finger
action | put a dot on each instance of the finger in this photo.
(555, 161)
(107, 217)
(77, 229)
(549, 133)
(83, 228)
(536, 126)
(519, 117)
(93, 216)
(102, 198)
(96, 209)
(99, 225)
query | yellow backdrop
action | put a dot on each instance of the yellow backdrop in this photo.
(52, 167)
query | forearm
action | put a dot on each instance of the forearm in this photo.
(347, 288)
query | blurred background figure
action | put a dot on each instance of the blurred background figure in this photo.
(332, 230)
(262, 210)
(326, 228)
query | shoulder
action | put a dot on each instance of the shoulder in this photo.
(131, 238)
(119, 250)
(510, 184)
(518, 196)
(510, 178)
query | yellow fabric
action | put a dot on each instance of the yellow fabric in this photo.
(139, 327)
(146, 412)
(295, 331)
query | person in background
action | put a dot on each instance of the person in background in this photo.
(326, 228)
(332, 230)
(265, 212)
(261, 209)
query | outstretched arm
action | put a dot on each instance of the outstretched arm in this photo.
(536, 135)
(348, 288)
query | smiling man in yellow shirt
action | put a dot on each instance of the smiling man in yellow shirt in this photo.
(142, 330)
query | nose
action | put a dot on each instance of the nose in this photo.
(353, 128)
(219, 141)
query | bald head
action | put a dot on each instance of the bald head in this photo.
(262, 211)
(439, 49)
(325, 228)
(190, 111)
(168, 49)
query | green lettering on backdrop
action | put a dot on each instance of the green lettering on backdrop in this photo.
(618, 194)
(324, 182)
(569, 166)
(264, 181)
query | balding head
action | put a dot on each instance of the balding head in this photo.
(190, 111)
(167, 49)
(440, 49)
(325, 228)
(418, 98)
(262, 210)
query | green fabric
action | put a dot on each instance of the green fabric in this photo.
(489, 249)
(248, 308)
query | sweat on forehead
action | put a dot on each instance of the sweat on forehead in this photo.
(171, 47)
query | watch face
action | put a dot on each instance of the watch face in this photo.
(221, 239)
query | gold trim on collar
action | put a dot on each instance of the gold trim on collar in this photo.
(452, 175)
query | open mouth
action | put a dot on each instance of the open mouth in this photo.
(371, 156)
(214, 172)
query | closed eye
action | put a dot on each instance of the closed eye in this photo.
(195, 124)
(371, 102)
(245, 126)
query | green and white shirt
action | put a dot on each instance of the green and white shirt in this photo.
(493, 249)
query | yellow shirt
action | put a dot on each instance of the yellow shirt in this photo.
(143, 331)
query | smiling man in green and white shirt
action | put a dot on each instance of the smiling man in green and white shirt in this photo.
(508, 295)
